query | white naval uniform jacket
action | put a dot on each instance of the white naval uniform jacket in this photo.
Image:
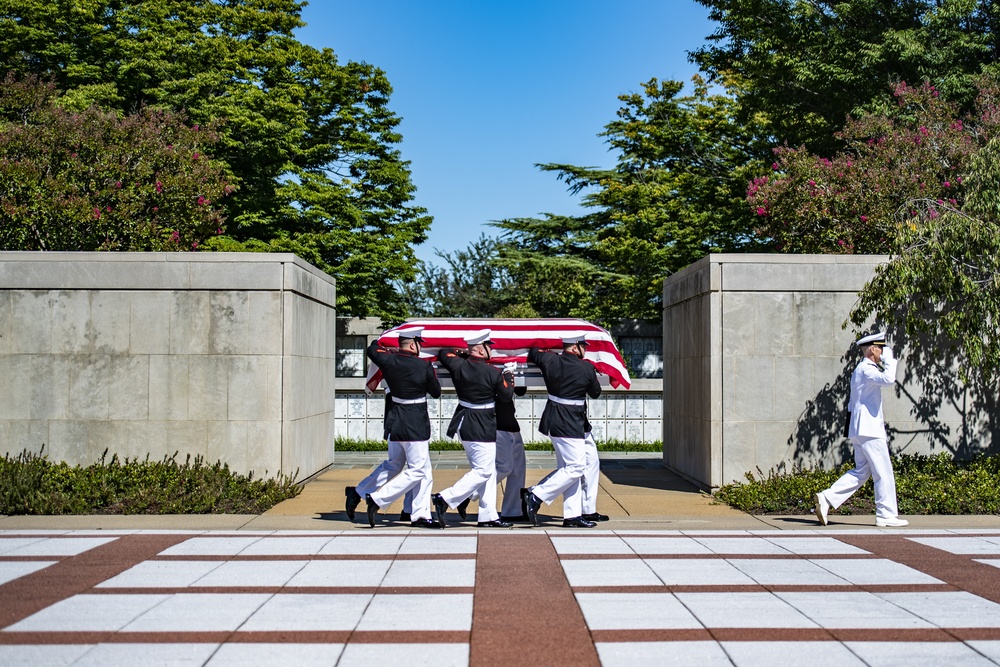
(866, 398)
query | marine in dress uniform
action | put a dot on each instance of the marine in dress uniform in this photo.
(409, 379)
(393, 464)
(867, 433)
(569, 380)
(511, 462)
(480, 387)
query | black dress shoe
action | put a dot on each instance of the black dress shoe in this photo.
(578, 522)
(596, 516)
(440, 507)
(405, 516)
(463, 506)
(495, 524)
(524, 518)
(353, 500)
(532, 503)
(373, 509)
(425, 523)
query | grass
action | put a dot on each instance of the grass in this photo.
(354, 445)
(31, 484)
(924, 485)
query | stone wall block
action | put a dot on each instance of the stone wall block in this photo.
(774, 317)
(263, 458)
(31, 322)
(235, 276)
(71, 328)
(229, 331)
(149, 323)
(15, 386)
(69, 441)
(209, 387)
(740, 448)
(794, 386)
(110, 322)
(5, 322)
(227, 441)
(128, 387)
(89, 382)
(766, 277)
(49, 387)
(169, 387)
(264, 322)
(249, 388)
(190, 322)
(739, 331)
(748, 388)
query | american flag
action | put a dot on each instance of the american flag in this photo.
(512, 339)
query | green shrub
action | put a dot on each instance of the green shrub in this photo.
(354, 445)
(924, 485)
(31, 484)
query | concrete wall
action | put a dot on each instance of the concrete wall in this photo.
(757, 367)
(227, 355)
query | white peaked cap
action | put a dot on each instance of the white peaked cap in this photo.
(871, 339)
(575, 339)
(410, 332)
(479, 338)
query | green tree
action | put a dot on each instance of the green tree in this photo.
(92, 180)
(799, 67)
(676, 194)
(310, 143)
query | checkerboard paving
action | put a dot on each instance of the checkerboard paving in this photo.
(464, 597)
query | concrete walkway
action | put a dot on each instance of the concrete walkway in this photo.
(672, 578)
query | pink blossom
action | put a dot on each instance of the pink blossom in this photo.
(761, 210)
(159, 186)
(812, 182)
(774, 165)
(175, 237)
(201, 200)
(841, 243)
(118, 184)
(947, 184)
(97, 214)
(155, 209)
(219, 230)
(195, 156)
(864, 218)
(194, 246)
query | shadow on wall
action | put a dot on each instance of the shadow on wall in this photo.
(962, 419)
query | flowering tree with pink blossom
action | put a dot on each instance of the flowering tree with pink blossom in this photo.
(94, 180)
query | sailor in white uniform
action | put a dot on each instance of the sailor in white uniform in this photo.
(867, 433)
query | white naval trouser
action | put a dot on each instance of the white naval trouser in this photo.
(871, 459)
(567, 478)
(481, 480)
(510, 467)
(416, 476)
(591, 481)
(393, 464)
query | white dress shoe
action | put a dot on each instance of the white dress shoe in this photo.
(891, 523)
(822, 507)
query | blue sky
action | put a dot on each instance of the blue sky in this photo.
(486, 90)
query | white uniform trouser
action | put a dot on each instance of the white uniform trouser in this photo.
(871, 459)
(567, 478)
(591, 474)
(481, 480)
(510, 467)
(393, 464)
(417, 476)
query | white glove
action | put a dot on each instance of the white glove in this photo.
(887, 353)
(510, 366)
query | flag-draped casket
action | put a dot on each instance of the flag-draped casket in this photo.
(512, 339)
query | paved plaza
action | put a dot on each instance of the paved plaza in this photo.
(710, 588)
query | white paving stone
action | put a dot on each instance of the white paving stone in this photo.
(252, 573)
(666, 545)
(852, 609)
(286, 546)
(33, 655)
(681, 654)
(199, 612)
(418, 612)
(302, 612)
(341, 573)
(949, 609)
(15, 569)
(961, 545)
(59, 546)
(8, 544)
(146, 655)
(591, 545)
(635, 611)
(161, 574)
(422, 544)
(874, 571)
(815, 546)
(354, 545)
(431, 573)
(743, 610)
(82, 613)
(405, 655)
(698, 572)
(756, 546)
(989, 648)
(300, 655)
(610, 572)
(918, 654)
(786, 571)
(813, 654)
(211, 546)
